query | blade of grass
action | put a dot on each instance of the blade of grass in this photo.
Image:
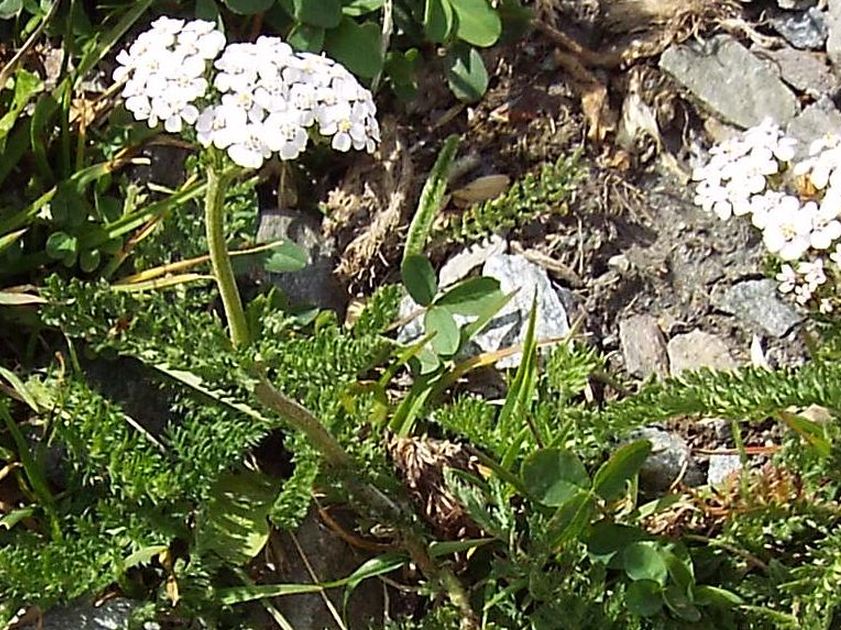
(182, 265)
(430, 199)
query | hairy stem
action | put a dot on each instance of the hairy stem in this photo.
(214, 211)
(381, 505)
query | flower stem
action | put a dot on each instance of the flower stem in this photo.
(214, 211)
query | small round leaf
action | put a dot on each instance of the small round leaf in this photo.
(419, 278)
(554, 475)
(644, 598)
(447, 337)
(643, 561)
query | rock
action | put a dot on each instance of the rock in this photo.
(330, 558)
(670, 460)
(757, 302)
(803, 70)
(721, 468)
(508, 328)
(460, 265)
(111, 615)
(643, 346)
(696, 350)
(806, 29)
(515, 274)
(729, 80)
(813, 122)
(314, 285)
(833, 40)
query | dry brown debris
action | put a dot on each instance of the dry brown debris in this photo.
(420, 463)
(380, 195)
(702, 511)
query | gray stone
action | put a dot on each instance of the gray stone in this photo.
(813, 122)
(315, 285)
(111, 615)
(643, 346)
(670, 461)
(460, 265)
(757, 302)
(516, 275)
(329, 558)
(833, 41)
(806, 29)
(803, 70)
(696, 350)
(729, 80)
(508, 328)
(721, 468)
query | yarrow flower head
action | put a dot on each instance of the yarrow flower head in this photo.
(164, 71)
(797, 206)
(738, 169)
(264, 98)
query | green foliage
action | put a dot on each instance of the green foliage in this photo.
(534, 196)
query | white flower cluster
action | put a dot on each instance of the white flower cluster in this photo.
(263, 100)
(797, 206)
(165, 69)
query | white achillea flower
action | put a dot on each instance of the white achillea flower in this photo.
(822, 167)
(738, 170)
(826, 228)
(265, 96)
(164, 71)
(787, 277)
(788, 229)
(284, 94)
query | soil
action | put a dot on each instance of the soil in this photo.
(630, 233)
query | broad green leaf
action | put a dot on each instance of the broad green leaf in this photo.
(9, 9)
(235, 524)
(207, 10)
(466, 73)
(607, 538)
(89, 260)
(477, 23)
(679, 564)
(286, 257)
(643, 561)
(447, 336)
(554, 475)
(323, 13)
(570, 519)
(355, 8)
(679, 603)
(470, 297)
(61, 244)
(306, 37)
(609, 481)
(431, 199)
(357, 46)
(714, 596)
(419, 278)
(438, 20)
(248, 7)
(644, 598)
